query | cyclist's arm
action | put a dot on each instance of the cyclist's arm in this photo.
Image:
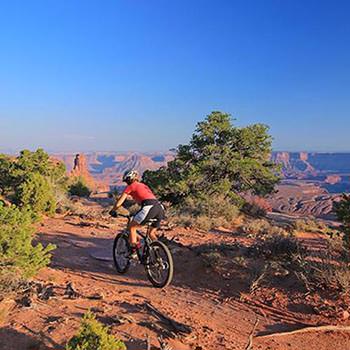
(120, 201)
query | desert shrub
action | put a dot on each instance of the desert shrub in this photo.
(342, 210)
(256, 227)
(212, 259)
(341, 278)
(36, 194)
(203, 222)
(262, 227)
(93, 335)
(221, 162)
(253, 210)
(280, 231)
(18, 255)
(63, 202)
(10, 282)
(79, 188)
(309, 225)
(329, 271)
(277, 247)
(32, 180)
(204, 214)
(256, 206)
(213, 255)
(180, 220)
(335, 246)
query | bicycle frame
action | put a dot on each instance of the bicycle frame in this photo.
(144, 236)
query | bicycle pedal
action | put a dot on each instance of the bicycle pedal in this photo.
(133, 256)
(133, 262)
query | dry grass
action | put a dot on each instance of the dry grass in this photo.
(200, 222)
(277, 247)
(212, 259)
(310, 225)
(203, 215)
(327, 272)
(215, 255)
(261, 228)
(5, 307)
(10, 283)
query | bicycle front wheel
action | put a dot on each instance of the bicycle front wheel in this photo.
(159, 265)
(121, 253)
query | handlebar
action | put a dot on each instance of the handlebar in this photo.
(125, 216)
(115, 214)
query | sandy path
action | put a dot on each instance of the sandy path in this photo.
(196, 298)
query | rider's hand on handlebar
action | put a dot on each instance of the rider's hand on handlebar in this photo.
(113, 213)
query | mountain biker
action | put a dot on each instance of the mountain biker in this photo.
(150, 207)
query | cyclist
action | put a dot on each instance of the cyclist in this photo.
(150, 207)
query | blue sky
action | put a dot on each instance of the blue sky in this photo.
(139, 74)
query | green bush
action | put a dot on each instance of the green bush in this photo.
(32, 180)
(79, 188)
(92, 335)
(35, 193)
(18, 255)
(205, 213)
(342, 210)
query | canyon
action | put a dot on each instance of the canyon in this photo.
(310, 183)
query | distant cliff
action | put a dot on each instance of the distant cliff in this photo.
(313, 181)
(306, 164)
(107, 168)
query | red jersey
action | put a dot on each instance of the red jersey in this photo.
(139, 192)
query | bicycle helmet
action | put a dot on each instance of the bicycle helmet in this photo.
(130, 176)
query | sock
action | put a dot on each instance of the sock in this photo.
(135, 246)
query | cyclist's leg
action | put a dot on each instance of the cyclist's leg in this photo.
(137, 223)
(153, 233)
(157, 212)
(133, 226)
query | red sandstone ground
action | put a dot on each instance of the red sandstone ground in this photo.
(215, 302)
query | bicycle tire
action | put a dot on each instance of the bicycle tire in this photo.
(121, 239)
(154, 253)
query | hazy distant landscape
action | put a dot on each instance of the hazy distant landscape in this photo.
(311, 181)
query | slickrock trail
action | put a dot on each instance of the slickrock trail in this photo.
(207, 302)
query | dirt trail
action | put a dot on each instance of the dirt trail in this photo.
(199, 298)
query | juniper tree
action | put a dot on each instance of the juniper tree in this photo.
(221, 159)
(342, 211)
(18, 254)
(32, 180)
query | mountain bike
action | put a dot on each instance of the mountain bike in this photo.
(154, 255)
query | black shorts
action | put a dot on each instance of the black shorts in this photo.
(151, 209)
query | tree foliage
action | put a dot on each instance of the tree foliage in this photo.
(32, 180)
(342, 210)
(17, 252)
(92, 335)
(79, 188)
(36, 194)
(220, 159)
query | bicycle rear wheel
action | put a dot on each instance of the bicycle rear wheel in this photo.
(121, 253)
(159, 265)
